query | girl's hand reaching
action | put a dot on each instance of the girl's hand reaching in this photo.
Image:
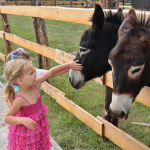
(75, 66)
(29, 123)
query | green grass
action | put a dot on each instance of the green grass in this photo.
(69, 132)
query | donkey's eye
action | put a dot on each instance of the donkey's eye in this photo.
(136, 70)
(82, 48)
(83, 51)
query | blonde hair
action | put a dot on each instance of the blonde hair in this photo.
(22, 55)
(13, 70)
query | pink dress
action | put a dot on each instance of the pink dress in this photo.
(22, 138)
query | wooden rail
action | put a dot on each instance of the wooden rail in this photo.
(79, 4)
(75, 4)
(76, 110)
(120, 138)
(57, 13)
(125, 6)
(99, 125)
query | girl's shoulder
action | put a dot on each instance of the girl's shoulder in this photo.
(20, 100)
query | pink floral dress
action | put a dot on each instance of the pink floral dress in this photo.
(22, 138)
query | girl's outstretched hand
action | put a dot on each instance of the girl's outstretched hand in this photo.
(29, 123)
(75, 66)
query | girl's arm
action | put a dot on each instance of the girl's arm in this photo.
(59, 69)
(62, 72)
(10, 117)
(42, 71)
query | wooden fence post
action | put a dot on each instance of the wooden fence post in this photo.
(41, 36)
(6, 28)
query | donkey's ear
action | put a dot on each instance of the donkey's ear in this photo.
(98, 18)
(129, 22)
(119, 14)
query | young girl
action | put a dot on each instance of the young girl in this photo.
(19, 53)
(28, 128)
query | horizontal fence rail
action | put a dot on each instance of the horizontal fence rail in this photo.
(76, 110)
(98, 124)
(78, 4)
(57, 13)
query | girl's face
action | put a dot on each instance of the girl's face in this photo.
(29, 78)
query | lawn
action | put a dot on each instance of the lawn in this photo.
(69, 132)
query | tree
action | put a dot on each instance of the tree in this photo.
(6, 28)
(109, 4)
(41, 36)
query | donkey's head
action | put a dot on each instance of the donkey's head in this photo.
(130, 61)
(95, 46)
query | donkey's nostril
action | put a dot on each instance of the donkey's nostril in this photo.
(122, 114)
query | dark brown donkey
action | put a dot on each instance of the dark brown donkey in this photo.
(130, 61)
(94, 48)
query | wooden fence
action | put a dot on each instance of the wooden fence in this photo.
(78, 4)
(98, 124)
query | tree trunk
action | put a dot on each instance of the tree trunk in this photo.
(6, 28)
(123, 2)
(55, 3)
(41, 36)
(16, 2)
(109, 4)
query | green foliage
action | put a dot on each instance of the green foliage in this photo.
(66, 129)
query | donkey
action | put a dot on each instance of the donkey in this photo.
(94, 48)
(130, 62)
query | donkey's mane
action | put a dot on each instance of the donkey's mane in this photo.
(139, 20)
(110, 17)
(114, 17)
(143, 21)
